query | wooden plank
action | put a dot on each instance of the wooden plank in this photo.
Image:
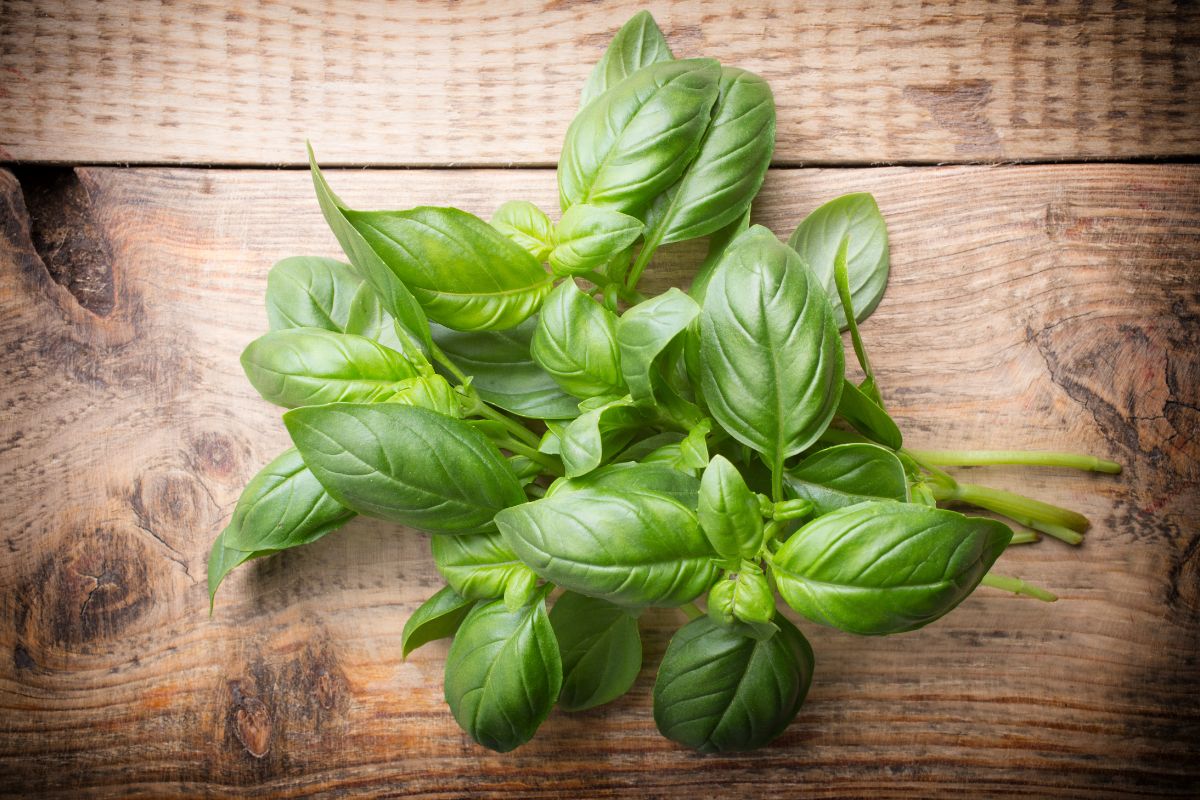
(1051, 307)
(485, 83)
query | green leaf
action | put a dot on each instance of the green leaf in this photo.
(848, 474)
(222, 560)
(504, 373)
(463, 272)
(636, 139)
(729, 512)
(575, 342)
(312, 292)
(718, 243)
(637, 44)
(719, 689)
(436, 618)
(312, 366)
(503, 674)
(817, 239)
(644, 333)
(528, 227)
(405, 464)
(885, 567)
(771, 358)
(597, 433)
(744, 595)
(588, 237)
(428, 391)
(478, 567)
(657, 478)
(868, 418)
(626, 546)
(693, 449)
(601, 650)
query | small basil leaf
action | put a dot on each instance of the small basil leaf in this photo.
(744, 595)
(636, 139)
(729, 512)
(428, 391)
(658, 478)
(644, 447)
(405, 464)
(645, 331)
(637, 44)
(597, 433)
(528, 227)
(868, 418)
(817, 240)
(588, 237)
(847, 474)
(718, 243)
(720, 689)
(575, 342)
(693, 449)
(222, 560)
(771, 358)
(884, 567)
(503, 674)
(478, 567)
(628, 547)
(436, 618)
(601, 650)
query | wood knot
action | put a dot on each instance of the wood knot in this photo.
(252, 723)
(215, 454)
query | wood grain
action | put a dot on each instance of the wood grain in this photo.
(1051, 307)
(480, 82)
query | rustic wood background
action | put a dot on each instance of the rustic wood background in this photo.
(1052, 306)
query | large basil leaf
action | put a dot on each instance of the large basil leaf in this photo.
(601, 650)
(436, 618)
(771, 357)
(597, 433)
(848, 474)
(312, 292)
(729, 512)
(637, 44)
(658, 478)
(628, 547)
(743, 595)
(885, 567)
(478, 567)
(636, 139)
(868, 417)
(504, 373)
(576, 343)
(528, 227)
(503, 674)
(587, 237)
(645, 331)
(719, 689)
(312, 366)
(396, 298)
(406, 464)
(820, 234)
(463, 272)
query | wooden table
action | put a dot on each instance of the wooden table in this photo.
(1044, 204)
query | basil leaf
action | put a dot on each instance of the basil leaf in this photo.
(637, 44)
(693, 448)
(848, 474)
(528, 227)
(718, 243)
(644, 332)
(601, 650)
(884, 567)
(636, 139)
(428, 391)
(503, 674)
(478, 567)
(463, 272)
(644, 447)
(729, 512)
(597, 433)
(222, 560)
(868, 418)
(628, 547)
(504, 373)
(657, 478)
(405, 464)
(744, 595)
(588, 236)
(820, 234)
(312, 366)
(312, 292)
(771, 357)
(436, 618)
(719, 689)
(575, 342)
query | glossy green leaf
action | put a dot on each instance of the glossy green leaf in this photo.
(658, 478)
(847, 474)
(575, 342)
(693, 448)
(222, 560)
(405, 464)
(645, 331)
(817, 239)
(436, 618)
(718, 243)
(503, 674)
(636, 139)
(527, 226)
(639, 43)
(595, 434)
(628, 547)
(428, 391)
(312, 292)
(744, 595)
(885, 567)
(588, 236)
(868, 418)
(729, 512)
(719, 689)
(601, 650)
(771, 357)
(478, 567)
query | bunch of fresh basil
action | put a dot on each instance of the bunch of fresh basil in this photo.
(504, 387)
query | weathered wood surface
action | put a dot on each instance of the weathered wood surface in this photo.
(1052, 307)
(486, 83)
